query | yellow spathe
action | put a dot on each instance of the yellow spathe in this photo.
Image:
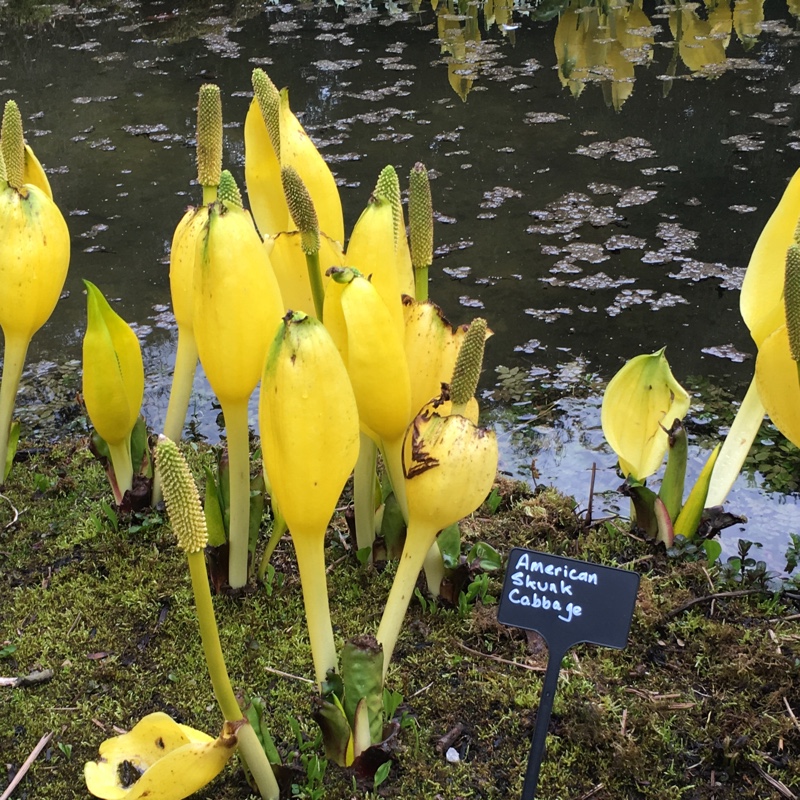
(640, 401)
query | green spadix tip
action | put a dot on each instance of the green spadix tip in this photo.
(791, 299)
(343, 274)
(269, 102)
(387, 189)
(301, 207)
(209, 135)
(420, 217)
(12, 144)
(228, 192)
(181, 497)
(467, 371)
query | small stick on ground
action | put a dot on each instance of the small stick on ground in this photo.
(792, 717)
(591, 792)
(782, 789)
(27, 765)
(500, 660)
(710, 598)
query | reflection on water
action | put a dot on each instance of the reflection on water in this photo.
(586, 236)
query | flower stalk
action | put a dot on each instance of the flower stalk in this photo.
(189, 526)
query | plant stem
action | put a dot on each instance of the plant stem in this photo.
(121, 461)
(314, 277)
(180, 394)
(421, 284)
(364, 492)
(393, 459)
(310, 549)
(237, 430)
(418, 541)
(251, 749)
(16, 349)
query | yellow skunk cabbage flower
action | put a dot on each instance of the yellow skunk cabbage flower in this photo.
(183, 256)
(262, 157)
(34, 257)
(237, 298)
(640, 401)
(778, 384)
(237, 310)
(375, 358)
(298, 151)
(372, 251)
(310, 440)
(113, 381)
(159, 758)
(762, 307)
(449, 466)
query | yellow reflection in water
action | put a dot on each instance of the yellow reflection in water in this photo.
(602, 43)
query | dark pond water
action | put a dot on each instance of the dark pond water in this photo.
(585, 234)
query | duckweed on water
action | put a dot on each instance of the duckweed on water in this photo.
(701, 704)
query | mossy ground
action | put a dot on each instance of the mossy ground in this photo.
(699, 705)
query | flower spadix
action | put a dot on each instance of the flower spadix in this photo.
(113, 380)
(34, 257)
(641, 400)
(310, 439)
(159, 758)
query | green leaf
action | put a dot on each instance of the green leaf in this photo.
(713, 550)
(213, 513)
(488, 558)
(13, 441)
(449, 541)
(382, 773)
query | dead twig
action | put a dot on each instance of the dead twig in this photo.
(13, 508)
(287, 674)
(782, 789)
(792, 717)
(710, 598)
(500, 660)
(592, 792)
(590, 504)
(27, 765)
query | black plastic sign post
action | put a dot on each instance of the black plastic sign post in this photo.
(568, 602)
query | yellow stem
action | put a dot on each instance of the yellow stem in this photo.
(16, 349)
(393, 459)
(310, 549)
(237, 431)
(120, 453)
(180, 394)
(418, 542)
(182, 380)
(249, 746)
(364, 492)
(736, 446)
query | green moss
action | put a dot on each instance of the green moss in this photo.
(106, 604)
